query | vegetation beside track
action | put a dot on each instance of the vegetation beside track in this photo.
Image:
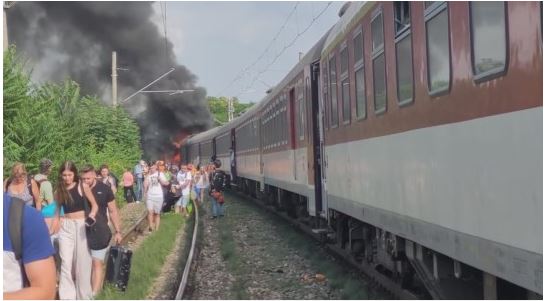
(54, 121)
(148, 260)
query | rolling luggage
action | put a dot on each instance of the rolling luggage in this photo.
(119, 266)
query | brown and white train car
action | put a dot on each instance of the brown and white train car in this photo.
(433, 135)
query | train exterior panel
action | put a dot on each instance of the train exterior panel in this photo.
(455, 166)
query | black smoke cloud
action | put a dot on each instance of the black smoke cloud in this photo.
(75, 40)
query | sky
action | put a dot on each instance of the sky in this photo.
(218, 40)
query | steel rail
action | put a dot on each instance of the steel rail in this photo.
(185, 276)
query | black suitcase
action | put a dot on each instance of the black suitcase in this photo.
(119, 266)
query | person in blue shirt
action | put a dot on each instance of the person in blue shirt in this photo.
(36, 256)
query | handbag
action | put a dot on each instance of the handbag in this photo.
(99, 234)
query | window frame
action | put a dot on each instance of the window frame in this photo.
(331, 125)
(398, 37)
(345, 76)
(375, 53)
(496, 72)
(430, 13)
(357, 66)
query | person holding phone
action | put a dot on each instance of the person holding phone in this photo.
(76, 261)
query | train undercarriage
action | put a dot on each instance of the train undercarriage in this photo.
(413, 267)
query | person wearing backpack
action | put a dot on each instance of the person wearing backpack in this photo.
(29, 268)
(107, 178)
(217, 186)
(21, 185)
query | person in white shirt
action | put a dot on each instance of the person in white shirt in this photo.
(184, 183)
(154, 196)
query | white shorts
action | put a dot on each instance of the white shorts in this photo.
(183, 201)
(100, 254)
(154, 204)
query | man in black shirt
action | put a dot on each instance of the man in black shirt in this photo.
(106, 202)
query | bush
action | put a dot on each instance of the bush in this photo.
(55, 121)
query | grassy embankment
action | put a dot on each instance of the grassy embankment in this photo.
(148, 260)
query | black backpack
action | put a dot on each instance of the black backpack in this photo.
(15, 228)
(218, 180)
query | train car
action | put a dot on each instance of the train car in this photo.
(201, 147)
(410, 136)
(433, 142)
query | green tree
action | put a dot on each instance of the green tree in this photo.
(55, 121)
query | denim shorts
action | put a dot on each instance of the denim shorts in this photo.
(183, 201)
(100, 254)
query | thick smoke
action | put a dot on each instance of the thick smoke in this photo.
(75, 40)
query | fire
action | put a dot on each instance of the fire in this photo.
(177, 143)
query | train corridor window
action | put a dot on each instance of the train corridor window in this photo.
(379, 66)
(345, 85)
(488, 39)
(404, 56)
(334, 116)
(359, 75)
(438, 50)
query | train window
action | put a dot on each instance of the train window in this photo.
(488, 37)
(379, 65)
(345, 84)
(360, 93)
(379, 83)
(437, 43)
(404, 70)
(334, 116)
(358, 48)
(359, 75)
(325, 100)
(344, 60)
(402, 16)
(377, 33)
(404, 57)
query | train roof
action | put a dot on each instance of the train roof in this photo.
(311, 56)
(352, 13)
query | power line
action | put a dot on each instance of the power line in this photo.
(164, 19)
(244, 70)
(284, 49)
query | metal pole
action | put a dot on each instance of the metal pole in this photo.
(153, 82)
(5, 30)
(114, 78)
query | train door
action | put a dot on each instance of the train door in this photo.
(292, 131)
(317, 136)
(322, 88)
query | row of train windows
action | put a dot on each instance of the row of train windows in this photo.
(274, 125)
(223, 144)
(488, 42)
(247, 136)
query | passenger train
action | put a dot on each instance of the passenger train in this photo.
(410, 135)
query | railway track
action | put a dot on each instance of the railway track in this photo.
(370, 272)
(189, 261)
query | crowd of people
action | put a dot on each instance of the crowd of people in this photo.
(64, 224)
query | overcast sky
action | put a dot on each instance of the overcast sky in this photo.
(216, 40)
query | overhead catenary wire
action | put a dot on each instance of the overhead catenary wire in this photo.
(245, 70)
(262, 71)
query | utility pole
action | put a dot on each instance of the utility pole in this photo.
(230, 108)
(114, 78)
(7, 5)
